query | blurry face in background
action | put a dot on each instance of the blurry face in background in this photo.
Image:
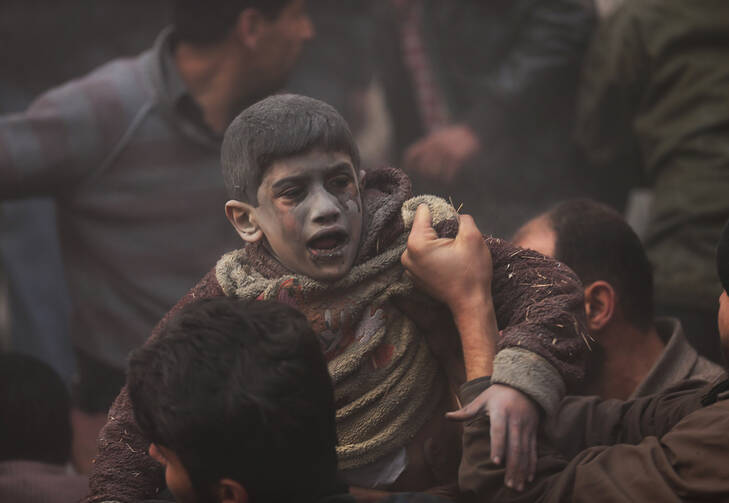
(281, 43)
(723, 323)
(176, 476)
(537, 235)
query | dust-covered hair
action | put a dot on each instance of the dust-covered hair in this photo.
(276, 127)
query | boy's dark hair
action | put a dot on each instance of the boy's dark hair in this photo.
(34, 411)
(241, 391)
(205, 23)
(598, 244)
(276, 127)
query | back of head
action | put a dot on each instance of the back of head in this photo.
(34, 411)
(598, 244)
(276, 127)
(205, 23)
(240, 391)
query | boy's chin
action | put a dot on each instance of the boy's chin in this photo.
(329, 274)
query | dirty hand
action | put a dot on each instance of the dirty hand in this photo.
(441, 154)
(455, 271)
(514, 419)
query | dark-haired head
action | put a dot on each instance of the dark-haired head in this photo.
(34, 411)
(277, 127)
(598, 244)
(205, 23)
(240, 391)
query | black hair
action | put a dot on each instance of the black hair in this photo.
(279, 126)
(722, 257)
(35, 424)
(205, 23)
(598, 244)
(240, 390)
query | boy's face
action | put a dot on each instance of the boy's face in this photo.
(310, 211)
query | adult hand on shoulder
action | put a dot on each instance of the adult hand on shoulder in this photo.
(514, 419)
(455, 271)
(442, 154)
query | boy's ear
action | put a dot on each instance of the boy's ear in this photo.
(230, 491)
(249, 27)
(243, 218)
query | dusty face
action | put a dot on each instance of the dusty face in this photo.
(310, 210)
(537, 235)
(176, 476)
(723, 322)
(282, 43)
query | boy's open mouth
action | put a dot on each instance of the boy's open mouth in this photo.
(328, 243)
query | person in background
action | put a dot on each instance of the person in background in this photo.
(653, 109)
(481, 96)
(35, 434)
(672, 446)
(633, 354)
(130, 154)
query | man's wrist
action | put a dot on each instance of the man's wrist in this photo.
(476, 323)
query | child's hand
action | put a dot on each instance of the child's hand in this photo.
(514, 418)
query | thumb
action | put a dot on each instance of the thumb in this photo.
(464, 413)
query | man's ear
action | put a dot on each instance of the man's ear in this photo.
(243, 218)
(250, 27)
(600, 299)
(230, 491)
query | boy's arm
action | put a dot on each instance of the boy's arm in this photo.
(123, 471)
(539, 308)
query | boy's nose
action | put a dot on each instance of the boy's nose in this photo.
(325, 208)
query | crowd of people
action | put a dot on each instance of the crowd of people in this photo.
(427, 292)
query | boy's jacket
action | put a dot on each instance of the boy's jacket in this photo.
(393, 352)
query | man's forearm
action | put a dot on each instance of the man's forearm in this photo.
(476, 323)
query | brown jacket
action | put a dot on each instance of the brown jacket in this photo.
(666, 447)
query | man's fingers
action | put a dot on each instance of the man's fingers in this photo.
(498, 437)
(422, 221)
(467, 228)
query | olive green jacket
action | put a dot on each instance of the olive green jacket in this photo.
(655, 101)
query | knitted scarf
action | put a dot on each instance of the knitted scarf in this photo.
(383, 372)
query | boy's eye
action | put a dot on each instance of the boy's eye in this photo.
(340, 181)
(291, 192)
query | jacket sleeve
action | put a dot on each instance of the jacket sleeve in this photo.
(588, 421)
(549, 45)
(682, 456)
(123, 471)
(53, 145)
(540, 314)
